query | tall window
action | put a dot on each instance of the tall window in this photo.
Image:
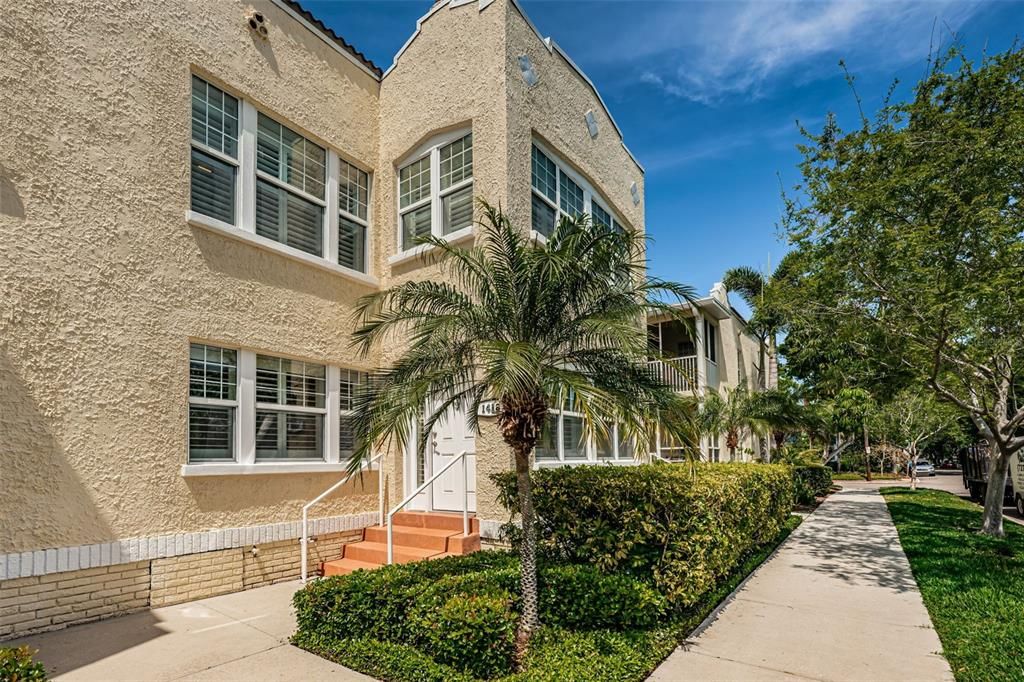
(214, 151)
(272, 182)
(350, 380)
(556, 193)
(435, 192)
(710, 341)
(290, 409)
(291, 173)
(213, 403)
(353, 211)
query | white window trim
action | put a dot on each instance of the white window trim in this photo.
(712, 347)
(245, 196)
(590, 445)
(431, 148)
(341, 213)
(590, 196)
(245, 422)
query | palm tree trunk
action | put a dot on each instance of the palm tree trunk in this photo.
(530, 620)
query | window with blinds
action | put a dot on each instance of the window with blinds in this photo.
(449, 198)
(350, 381)
(290, 409)
(557, 193)
(213, 403)
(291, 174)
(353, 212)
(214, 162)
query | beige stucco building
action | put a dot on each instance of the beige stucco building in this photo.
(192, 199)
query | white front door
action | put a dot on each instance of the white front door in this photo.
(452, 435)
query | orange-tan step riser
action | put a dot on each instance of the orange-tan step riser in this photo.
(377, 553)
(438, 520)
(422, 538)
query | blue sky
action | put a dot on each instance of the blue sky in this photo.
(707, 94)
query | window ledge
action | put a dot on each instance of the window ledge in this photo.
(418, 251)
(232, 232)
(538, 237)
(233, 469)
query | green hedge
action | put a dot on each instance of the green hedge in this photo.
(683, 527)
(810, 482)
(464, 610)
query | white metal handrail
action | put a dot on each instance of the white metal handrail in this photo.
(321, 496)
(465, 500)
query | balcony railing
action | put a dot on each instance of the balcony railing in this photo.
(678, 373)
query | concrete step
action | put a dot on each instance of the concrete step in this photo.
(437, 520)
(411, 536)
(377, 553)
(346, 566)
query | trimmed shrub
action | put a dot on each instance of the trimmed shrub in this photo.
(684, 528)
(474, 633)
(16, 665)
(810, 482)
(583, 598)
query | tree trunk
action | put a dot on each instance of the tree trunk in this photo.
(867, 454)
(530, 620)
(992, 523)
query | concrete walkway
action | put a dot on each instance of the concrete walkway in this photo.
(240, 636)
(836, 602)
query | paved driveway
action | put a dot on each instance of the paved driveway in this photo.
(241, 636)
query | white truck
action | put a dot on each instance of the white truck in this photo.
(1017, 480)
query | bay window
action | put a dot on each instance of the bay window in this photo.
(435, 191)
(256, 179)
(557, 192)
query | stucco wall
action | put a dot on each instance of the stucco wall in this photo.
(554, 111)
(103, 283)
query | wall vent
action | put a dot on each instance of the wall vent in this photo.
(529, 73)
(257, 23)
(635, 191)
(591, 123)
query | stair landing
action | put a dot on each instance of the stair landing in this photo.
(416, 535)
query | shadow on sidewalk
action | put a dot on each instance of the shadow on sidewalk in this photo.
(852, 539)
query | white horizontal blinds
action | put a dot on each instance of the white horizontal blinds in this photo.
(291, 173)
(214, 159)
(350, 380)
(290, 409)
(600, 216)
(414, 201)
(353, 212)
(457, 185)
(213, 396)
(544, 179)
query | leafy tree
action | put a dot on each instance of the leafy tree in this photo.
(780, 411)
(852, 413)
(529, 326)
(912, 419)
(909, 235)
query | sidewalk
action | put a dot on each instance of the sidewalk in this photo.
(837, 602)
(240, 636)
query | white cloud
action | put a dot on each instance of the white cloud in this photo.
(707, 52)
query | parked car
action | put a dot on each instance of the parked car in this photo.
(925, 468)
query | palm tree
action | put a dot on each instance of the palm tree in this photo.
(529, 326)
(765, 320)
(734, 414)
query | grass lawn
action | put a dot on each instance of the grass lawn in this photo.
(556, 654)
(973, 586)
